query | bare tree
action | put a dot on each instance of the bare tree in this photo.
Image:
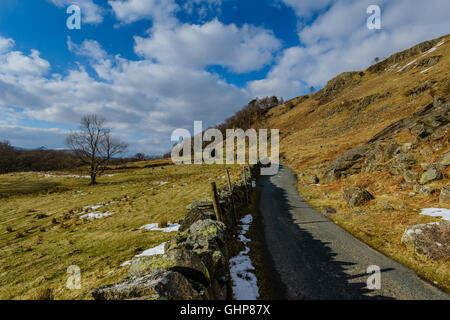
(140, 156)
(93, 145)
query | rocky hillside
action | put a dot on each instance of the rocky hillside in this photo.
(371, 150)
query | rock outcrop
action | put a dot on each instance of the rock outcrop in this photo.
(381, 153)
(356, 197)
(432, 239)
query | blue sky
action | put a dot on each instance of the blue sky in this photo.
(151, 66)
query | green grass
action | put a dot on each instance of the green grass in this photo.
(41, 235)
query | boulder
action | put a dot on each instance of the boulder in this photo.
(357, 197)
(424, 189)
(445, 160)
(344, 164)
(157, 285)
(410, 176)
(432, 174)
(195, 214)
(445, 194)
(440, 132)
(432, 239)
(207, 239)
(185, 262)
(402, 162)
(328, 210)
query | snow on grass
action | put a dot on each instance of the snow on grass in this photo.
(90, 212)
(172, 227)
(73, 176)
(96, 215)
(423, 71)
(160, 249)
(404, 67)
(434, 48)
(437, 212)
(245, 284)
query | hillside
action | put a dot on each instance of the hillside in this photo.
(378, 129)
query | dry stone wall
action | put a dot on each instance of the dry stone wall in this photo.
(195, 263)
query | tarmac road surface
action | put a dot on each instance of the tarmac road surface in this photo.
(314, 258)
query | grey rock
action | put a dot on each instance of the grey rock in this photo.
(196, 214)
(410, 176)
(445, 160)
(445, 194)
(183, 261)
(432, 239)
(432, 174)
(424, 189)
(357, 197)
(328, 210)
(344, 163)
(157, 285)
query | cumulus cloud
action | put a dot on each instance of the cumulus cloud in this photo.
(91, 12)
(338, 40)
(239, 49)
(160, 11)
(203, 8)
(15, 63)
(144, 99)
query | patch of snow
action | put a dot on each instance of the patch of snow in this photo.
(96, 215)
(245, 283)
(159, 184)
(160, 249)
(253, 184)
(172, 227)
(436, 212)
(423, 71)
(89, 212)
(434, 48)
(408, 64)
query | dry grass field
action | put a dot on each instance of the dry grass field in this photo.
(41, 232)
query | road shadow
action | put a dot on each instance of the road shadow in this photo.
(304, 268)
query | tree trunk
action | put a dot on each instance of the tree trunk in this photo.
(93, 175)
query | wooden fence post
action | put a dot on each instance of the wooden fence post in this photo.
(245, 183)
(232, 198)
(216, 204)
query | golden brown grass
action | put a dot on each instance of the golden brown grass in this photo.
(41, 235)
(313, 135)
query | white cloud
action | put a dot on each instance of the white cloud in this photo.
(203, 7)
(140, 98)
(160, 11)
(239, 49)
(91, 13)
(89, 48)
(306, 8)
(18, 64)
(338, 40)
(6, 44)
